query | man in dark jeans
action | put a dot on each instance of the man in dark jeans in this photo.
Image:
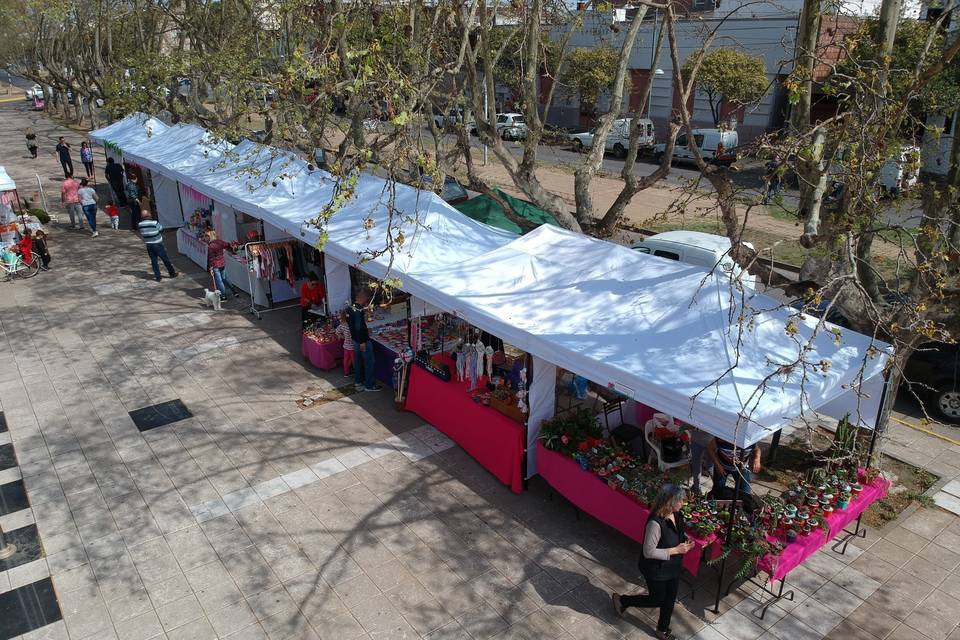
(362, 345)
(63, 152)
(133, 193)
(152, 238)
(114, 173)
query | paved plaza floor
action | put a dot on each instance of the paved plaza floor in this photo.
(255, 518)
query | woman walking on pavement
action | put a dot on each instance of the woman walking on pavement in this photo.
(31, 143)
(86, 157)
(88, 201)
(661, 561)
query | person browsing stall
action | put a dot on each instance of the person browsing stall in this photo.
(216, 263)
(730, 460)
(357, 322)
(312, 295)
(343, 332)
(661, 559)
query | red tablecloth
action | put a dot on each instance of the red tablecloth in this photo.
(493, 439)
(593, 496)
(322, 355)
(805, 546)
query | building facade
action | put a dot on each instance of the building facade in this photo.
(767, 30)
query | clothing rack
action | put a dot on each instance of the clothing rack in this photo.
(252, 249)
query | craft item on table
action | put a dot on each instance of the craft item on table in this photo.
(522, 391)
(478, 364)
(458, 355)
(471, 366)
(322, 332)
(488, 352)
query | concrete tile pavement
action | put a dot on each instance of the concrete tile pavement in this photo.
(347, 520)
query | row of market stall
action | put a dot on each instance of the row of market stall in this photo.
(483, 325)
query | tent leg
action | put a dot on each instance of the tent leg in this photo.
(774, 446)
(729, 534)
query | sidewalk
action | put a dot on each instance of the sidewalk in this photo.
(256, 519)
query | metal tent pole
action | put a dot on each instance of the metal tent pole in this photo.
(733, 515)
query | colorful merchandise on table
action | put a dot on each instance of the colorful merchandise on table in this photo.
(323, 332)
(774, 537)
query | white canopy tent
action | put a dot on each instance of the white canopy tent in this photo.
(6, 182)
(132, 130)
(662, 332)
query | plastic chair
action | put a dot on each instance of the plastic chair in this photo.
(654, 445)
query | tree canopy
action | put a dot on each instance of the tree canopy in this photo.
(728, 75)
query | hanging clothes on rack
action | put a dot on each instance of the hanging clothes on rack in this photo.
(278, 261)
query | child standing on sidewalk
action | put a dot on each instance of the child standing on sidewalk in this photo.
(114, 214)
(343, 332)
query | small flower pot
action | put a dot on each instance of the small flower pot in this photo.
(791, 536)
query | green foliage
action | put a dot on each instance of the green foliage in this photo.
(565, 432)
(40, 215)
(590, 73)
(941, 95)
(728, 75)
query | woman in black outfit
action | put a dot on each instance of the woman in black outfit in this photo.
(664, 543)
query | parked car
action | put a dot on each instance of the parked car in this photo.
(452, 193)
(696, 247)
(900, 173)
(453, 117)
(618, 141)
(509, 126)
(36, 91)
(716, 145)
(933, 373)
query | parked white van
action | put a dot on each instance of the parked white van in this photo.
(698, 248)
(716, 145)
(618, 141)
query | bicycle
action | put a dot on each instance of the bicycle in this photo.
(19, 268)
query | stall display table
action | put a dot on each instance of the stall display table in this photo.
(493, 439)
(322, 355)
(795, 553)
(191, 246)
(383, 358)
(614, 508)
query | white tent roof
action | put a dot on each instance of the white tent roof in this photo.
(134, 129)
(280, 188)
(657, 330)
(180, 149)
(6, 182)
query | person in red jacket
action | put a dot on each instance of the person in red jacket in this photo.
(312, 295)
(216, 264)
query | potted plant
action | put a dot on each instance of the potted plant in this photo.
(791, 536)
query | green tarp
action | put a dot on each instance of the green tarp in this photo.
(485, 209)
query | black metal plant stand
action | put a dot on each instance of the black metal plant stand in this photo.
(840, 545)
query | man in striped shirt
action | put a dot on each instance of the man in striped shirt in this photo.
(150, 232)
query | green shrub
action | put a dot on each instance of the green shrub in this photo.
(41, 215)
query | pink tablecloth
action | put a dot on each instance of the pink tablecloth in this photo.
(607, 505)
(322, 355)
(796, 552)
(492, 438)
